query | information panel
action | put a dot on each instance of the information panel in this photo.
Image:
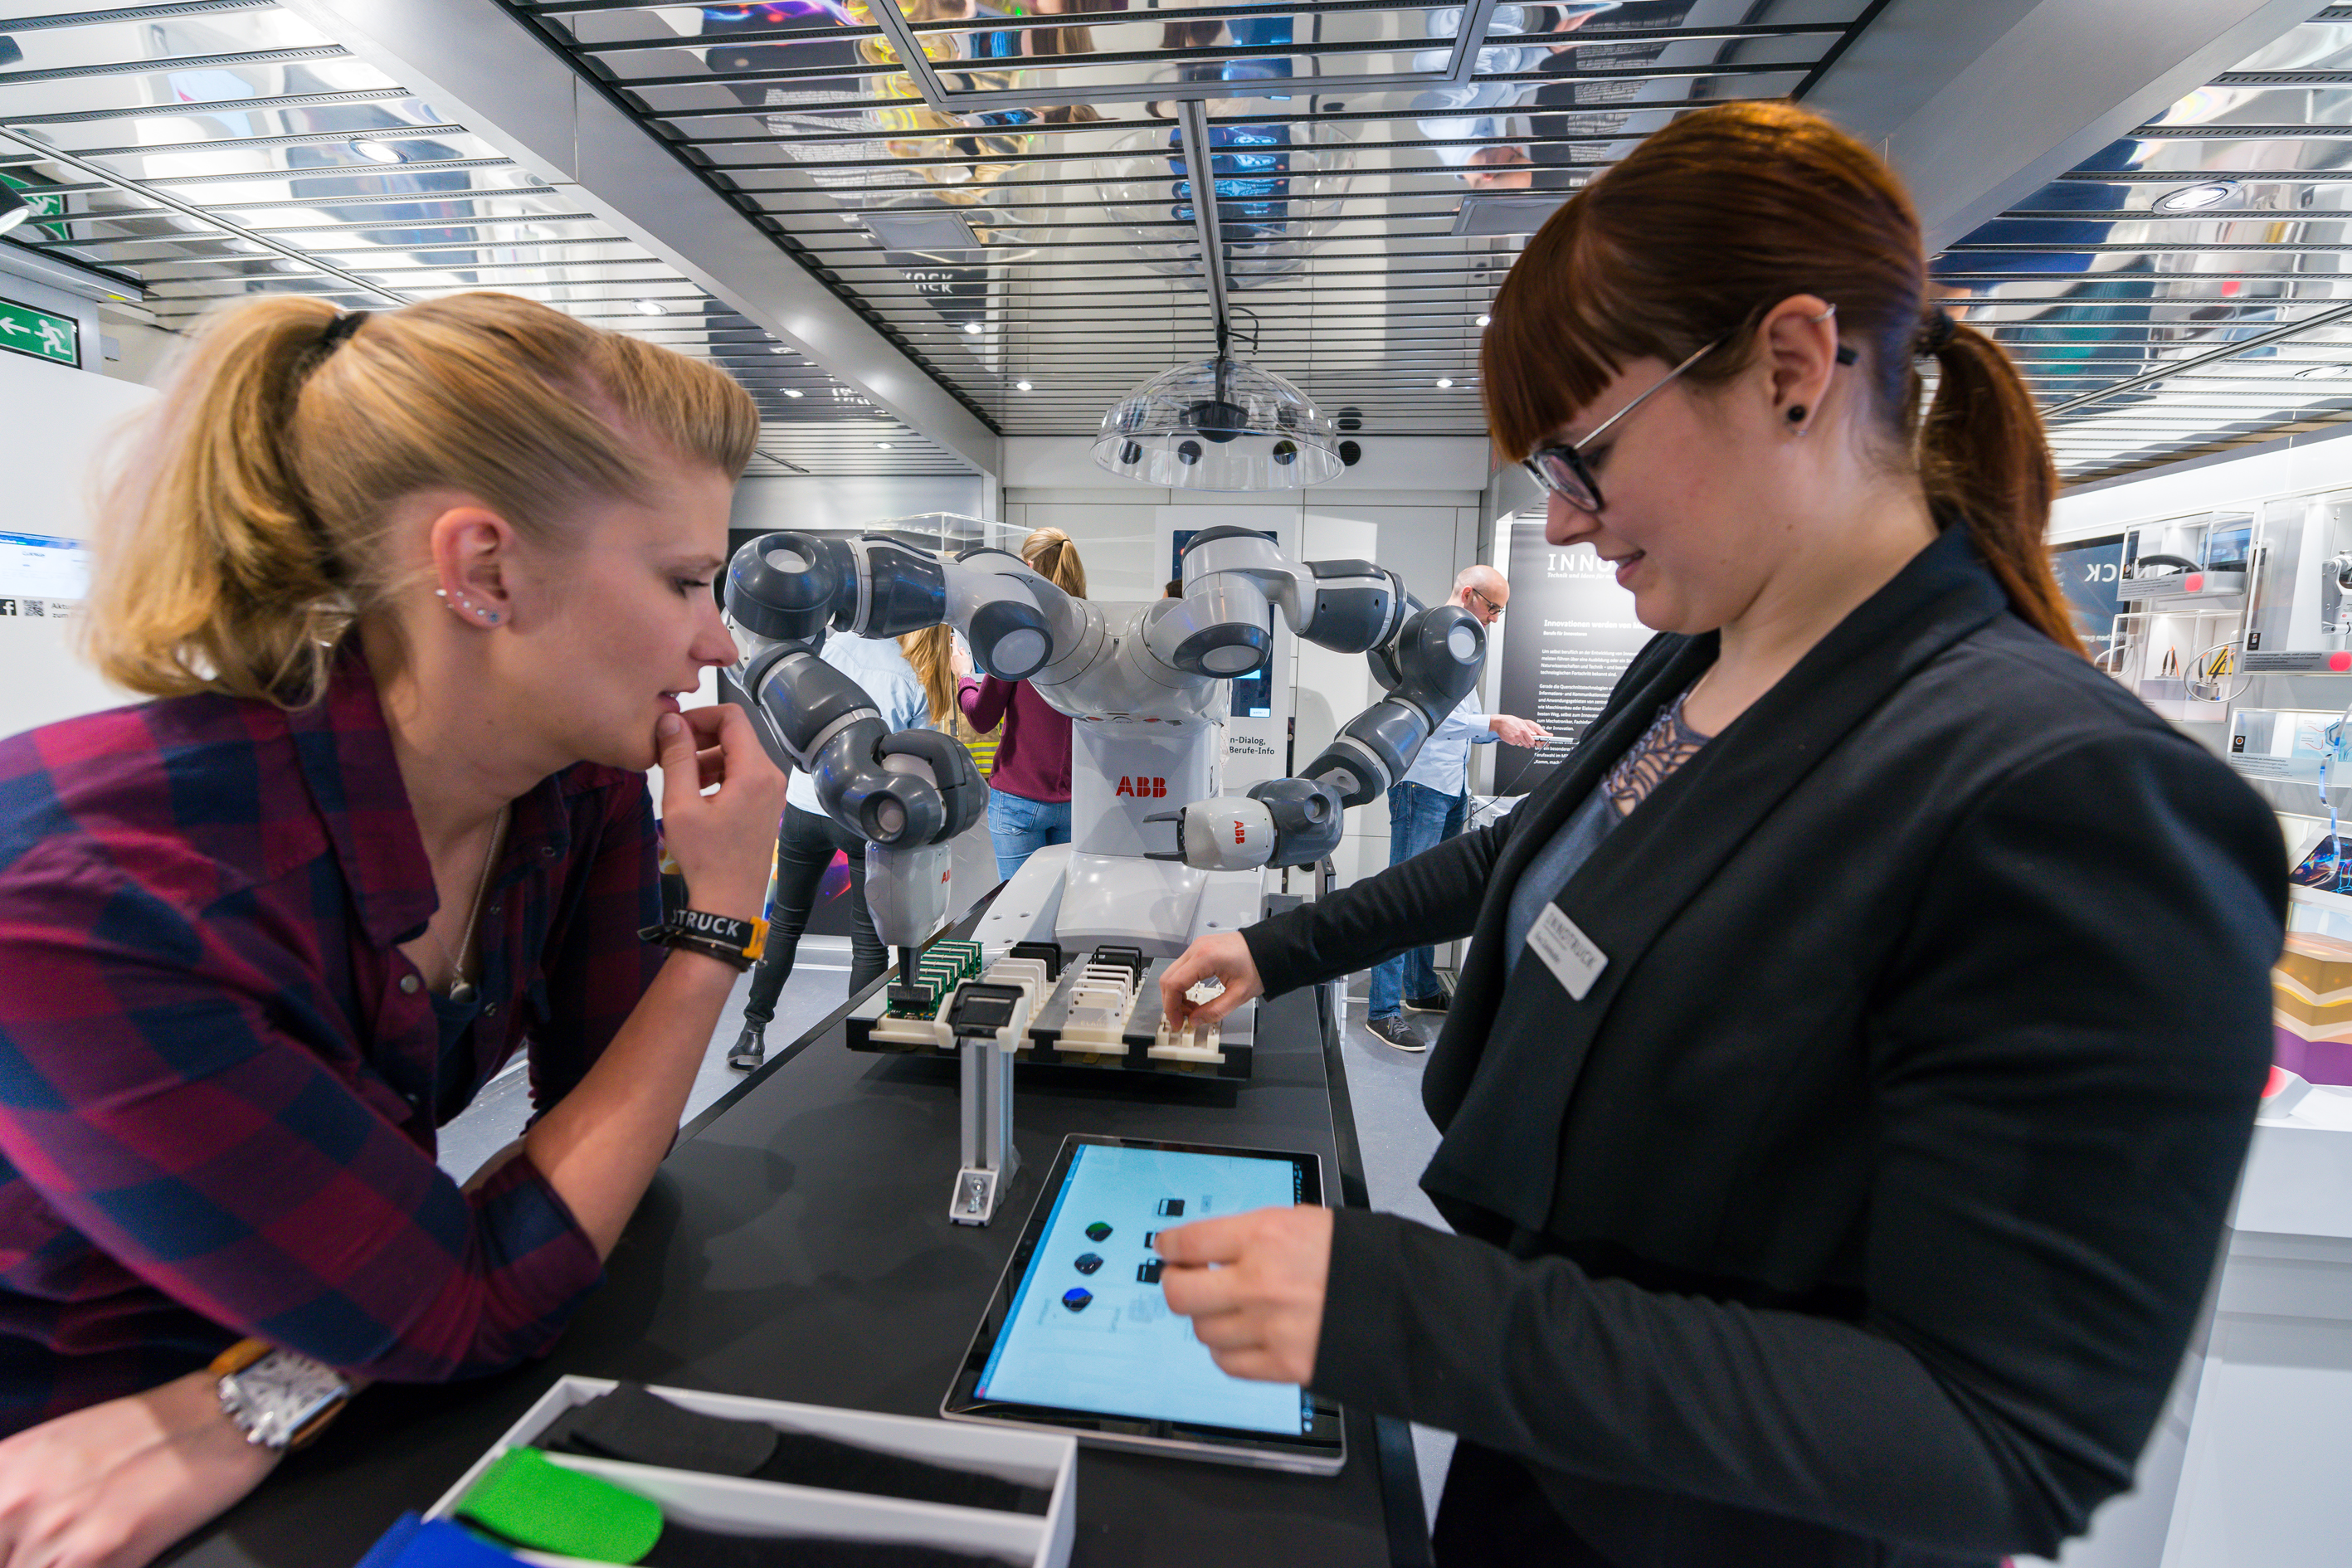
(1572, 633)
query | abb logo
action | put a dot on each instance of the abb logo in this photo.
(1239, 838)
(1142, 788)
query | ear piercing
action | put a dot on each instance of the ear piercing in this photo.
(488, 617)
(1796, 414)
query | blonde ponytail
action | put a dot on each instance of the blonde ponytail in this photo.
(928, 652)
(1053, 556)
(249, 532)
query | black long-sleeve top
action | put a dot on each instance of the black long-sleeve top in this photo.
(1868, 1197)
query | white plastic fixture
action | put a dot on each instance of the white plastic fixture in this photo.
(1219, 424)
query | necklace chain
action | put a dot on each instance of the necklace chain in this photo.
(460, 988)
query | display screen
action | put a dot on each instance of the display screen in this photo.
(1089, 1328)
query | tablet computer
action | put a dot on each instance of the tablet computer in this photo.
(1078, 1336)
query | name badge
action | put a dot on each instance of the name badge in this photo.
(1567, 951)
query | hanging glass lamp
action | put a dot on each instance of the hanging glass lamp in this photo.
(1218, 425)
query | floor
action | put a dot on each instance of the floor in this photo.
(1384, 1083)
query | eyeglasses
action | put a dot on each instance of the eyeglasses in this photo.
(1560, 466)
(1493, 610)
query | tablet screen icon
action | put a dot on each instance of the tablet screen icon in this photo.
(1097, 1233)
(1149, 1273)
(1076, 1297)
(1087, 1262)
(1172, 1208)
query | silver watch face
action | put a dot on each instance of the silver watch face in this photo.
(279, 1395)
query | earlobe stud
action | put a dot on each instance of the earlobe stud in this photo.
(1796, 414)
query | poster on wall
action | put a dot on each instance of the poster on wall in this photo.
(41, 575)
(2089, 572)
(1572, 633)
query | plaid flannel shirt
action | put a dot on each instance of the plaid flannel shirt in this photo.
(218, 1086)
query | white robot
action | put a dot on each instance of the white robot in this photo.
(1158, 856)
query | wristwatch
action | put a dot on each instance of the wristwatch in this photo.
(276, 1398)
(722, 937)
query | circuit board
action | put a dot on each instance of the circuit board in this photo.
(1102, 1013)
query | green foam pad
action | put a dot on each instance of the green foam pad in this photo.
(530, 1502)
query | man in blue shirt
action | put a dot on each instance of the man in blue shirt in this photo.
(1427, 806)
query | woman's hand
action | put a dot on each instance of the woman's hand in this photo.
(724, 841)
(1260, 1308)
(959, 659)
(1223, 957)
(113, 1485)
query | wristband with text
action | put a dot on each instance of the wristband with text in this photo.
(736, 942)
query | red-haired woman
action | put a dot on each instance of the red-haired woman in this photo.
(1835, 1158)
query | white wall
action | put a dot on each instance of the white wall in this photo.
(2285, 466)
(58, 419)
(795, 502)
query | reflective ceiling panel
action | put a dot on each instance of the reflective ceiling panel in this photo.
(1009, 191)
(2185, 290)
(206, 150)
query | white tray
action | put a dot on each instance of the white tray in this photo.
(731, 1505)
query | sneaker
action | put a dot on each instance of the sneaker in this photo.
(1432, 1003)
(1392, 1030)
(750, 1050)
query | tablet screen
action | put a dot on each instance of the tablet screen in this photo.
(1089, 1327)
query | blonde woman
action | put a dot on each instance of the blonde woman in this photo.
(1029, 788)
(415, 595)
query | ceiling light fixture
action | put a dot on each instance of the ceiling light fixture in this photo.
(2325, 373)
(1445, 381)
(2197, 198)
(14, 208)
(377, 152)
(794, 391)
(920, 230)
(780, 351)
(1022, 386)
(652, 308)
(1218, 425)
(883, 446)
(1485, 321)
(1506, 212)
(972, 327)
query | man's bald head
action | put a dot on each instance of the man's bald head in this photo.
(1482, 590)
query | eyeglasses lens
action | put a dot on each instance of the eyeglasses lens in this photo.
(1556, 472)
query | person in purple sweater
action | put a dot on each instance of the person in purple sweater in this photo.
(1029, 787)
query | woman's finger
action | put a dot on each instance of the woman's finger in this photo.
(1204, 1241)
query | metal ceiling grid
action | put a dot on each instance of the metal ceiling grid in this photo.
(183, 153)
(2184, 290)
(1009, 194)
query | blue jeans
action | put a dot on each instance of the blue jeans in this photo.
(1418, 820)
(1021, 826)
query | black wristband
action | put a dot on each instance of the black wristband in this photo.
(737, 941)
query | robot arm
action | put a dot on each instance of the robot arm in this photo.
(1426, 659)
(795, 587)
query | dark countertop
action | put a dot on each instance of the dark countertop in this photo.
(795, 1246)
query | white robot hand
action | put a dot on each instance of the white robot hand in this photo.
(1280, 822)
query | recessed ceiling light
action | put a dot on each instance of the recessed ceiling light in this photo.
(377, 152)
(2196, 198)
(1483, 320)
(794, 391)
(884, 446)
(780, 351)
(652, 308)
(2325, 373)
(972, 327)
(1022, 386)
(1445, 381)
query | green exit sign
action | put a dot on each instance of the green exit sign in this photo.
(24, 330)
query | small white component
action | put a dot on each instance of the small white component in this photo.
(1029, 974)
(1188, 1044)
(1102, 998)
(898, 1031)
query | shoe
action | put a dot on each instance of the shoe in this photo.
(1432, 1003)
(1392, 1030)
(750, 1050)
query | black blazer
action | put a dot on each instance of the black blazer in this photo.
(1866, 1202)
